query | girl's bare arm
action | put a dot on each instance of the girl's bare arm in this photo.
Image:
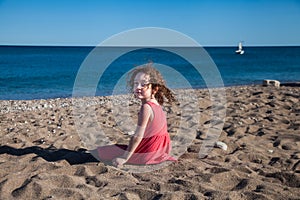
(143, 119)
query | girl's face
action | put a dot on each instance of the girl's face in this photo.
(142, 87)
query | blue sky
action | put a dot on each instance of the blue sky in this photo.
(209, 22)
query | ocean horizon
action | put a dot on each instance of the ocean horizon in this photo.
(44, 72)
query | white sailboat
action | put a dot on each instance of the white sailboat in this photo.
(240, 49)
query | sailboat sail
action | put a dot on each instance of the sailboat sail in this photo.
(240, 46)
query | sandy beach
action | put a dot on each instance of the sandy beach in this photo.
(42, 155)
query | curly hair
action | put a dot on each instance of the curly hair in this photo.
(156, 80)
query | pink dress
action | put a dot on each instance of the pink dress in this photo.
(154, 148)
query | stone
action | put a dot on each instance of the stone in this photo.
(271, 83)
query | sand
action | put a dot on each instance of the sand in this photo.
(43, 155)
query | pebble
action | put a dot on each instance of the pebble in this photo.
(271, 151)
(221, 145)
(130, 133)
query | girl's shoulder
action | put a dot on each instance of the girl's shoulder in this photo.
(146, 107)
(151, 103)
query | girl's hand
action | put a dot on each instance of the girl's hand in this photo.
(119, 162)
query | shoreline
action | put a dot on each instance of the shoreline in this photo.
(60, 102)
(284, 84)
(40, 104)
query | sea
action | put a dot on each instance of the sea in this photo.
(44, 72)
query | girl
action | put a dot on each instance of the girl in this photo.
(150, 143)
